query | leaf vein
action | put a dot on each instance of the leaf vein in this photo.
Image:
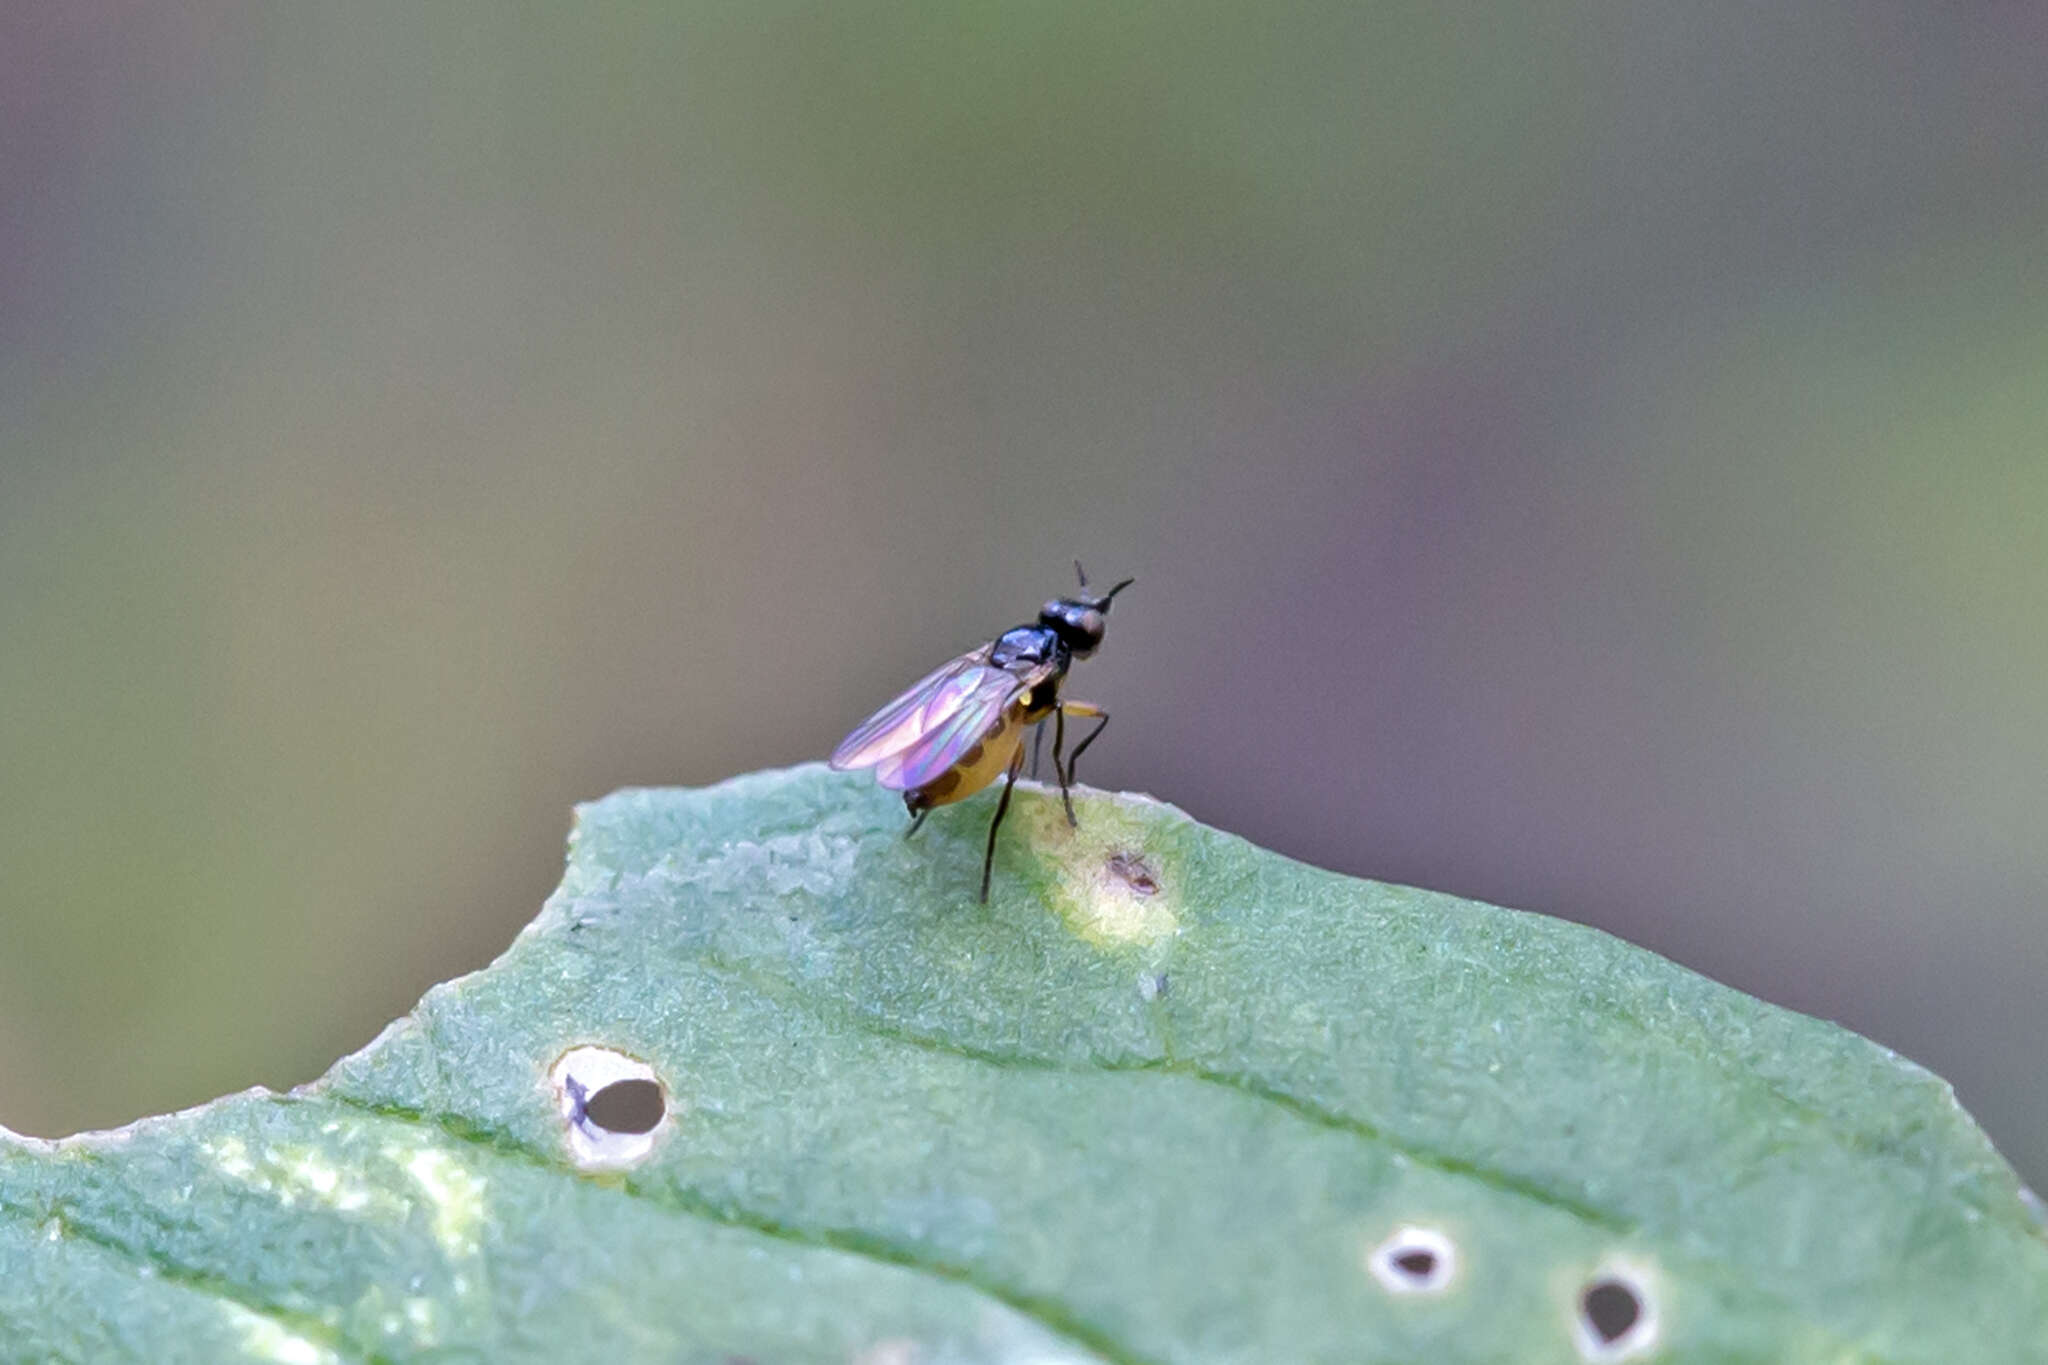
(152, 1264)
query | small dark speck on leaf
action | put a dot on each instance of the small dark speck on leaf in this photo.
(1133, 871)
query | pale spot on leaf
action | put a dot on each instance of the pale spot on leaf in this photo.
(265, 1339)
(456, 1195)
(1109, 887)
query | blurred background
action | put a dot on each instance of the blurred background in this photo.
(1588, 457)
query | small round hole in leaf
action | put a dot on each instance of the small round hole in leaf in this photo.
(1617, 1318)
(613, 1107)
(632, 1107)
(1414, 1260)
(1610, 1309)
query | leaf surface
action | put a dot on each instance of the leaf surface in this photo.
(1164, 1098)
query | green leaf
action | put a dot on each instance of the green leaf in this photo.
(1167, 1097)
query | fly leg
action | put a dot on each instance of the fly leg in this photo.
(1059, 742)
(917, 821)
(988, 859)
(1083, 710)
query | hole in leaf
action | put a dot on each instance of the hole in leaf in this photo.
(613, 1106)
(1414, 1260)
(1617, 1318)
(1134, 872)
(627, 1107)
(1610, 1309)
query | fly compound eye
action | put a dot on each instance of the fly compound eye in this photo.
(1092, 624)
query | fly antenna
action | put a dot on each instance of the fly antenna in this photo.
(1103, 601)
(1080, 573)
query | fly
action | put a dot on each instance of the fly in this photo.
(962, 726)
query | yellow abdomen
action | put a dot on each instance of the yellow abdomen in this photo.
(978, 767)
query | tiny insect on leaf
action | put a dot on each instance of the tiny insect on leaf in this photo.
(961, 726)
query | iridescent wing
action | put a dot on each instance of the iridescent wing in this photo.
(925, 706)
(926, 730)
(979, 716)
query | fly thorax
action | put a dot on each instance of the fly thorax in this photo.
(1024, 645)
